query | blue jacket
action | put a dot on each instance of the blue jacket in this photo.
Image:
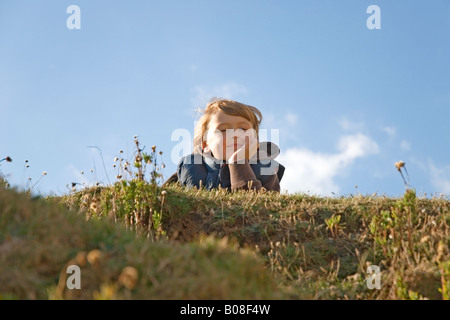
(195, 170)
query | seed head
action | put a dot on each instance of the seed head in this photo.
(128, 278)
(8, 159)
(153, 148)
(93, 207)
(399, 165)
(44, 173)
(116, 159)
(94, 256)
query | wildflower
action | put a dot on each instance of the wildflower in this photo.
(94, 207)
(44, 173)
(163, 165)
(119, 177)
(82, 172)
(116, 159)
(27, 166)
(114, 166)
(92, 170)
(121, 151)
(160, 153)
(8, 159)
(128, 278)
(399, 165)
(153, 148)
(164, 192)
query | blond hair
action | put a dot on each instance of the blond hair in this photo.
(230, 107)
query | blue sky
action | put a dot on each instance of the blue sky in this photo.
(348, 101)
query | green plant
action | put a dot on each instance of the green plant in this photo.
(333, 224)
(134, 198)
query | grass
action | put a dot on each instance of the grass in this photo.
(314, 247)
(172, 242)
(40, 238)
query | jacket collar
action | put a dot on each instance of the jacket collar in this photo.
(212, 164)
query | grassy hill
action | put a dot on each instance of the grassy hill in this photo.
(40, 238)
(136, 240)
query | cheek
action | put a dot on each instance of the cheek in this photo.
(214, 139)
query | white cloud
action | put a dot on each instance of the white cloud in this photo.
(440, 177)
(390, 130)
(202, 94)
(405, 145)
(309, 171)
(291, 118)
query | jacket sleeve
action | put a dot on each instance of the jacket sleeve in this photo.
(172, 179)
(190, 172)
(175, 177)
(243, 178)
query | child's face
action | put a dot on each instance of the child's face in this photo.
(226, 134)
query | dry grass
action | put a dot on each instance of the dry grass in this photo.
(316, 248)
(39, 239)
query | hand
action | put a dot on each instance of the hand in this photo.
(246, 152)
